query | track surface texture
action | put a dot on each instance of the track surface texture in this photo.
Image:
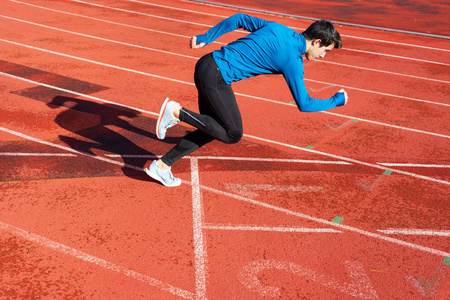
(352, 203)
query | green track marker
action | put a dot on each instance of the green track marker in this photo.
(387, 172)
(309, 147)
(331, 85)
(337, 220)
(292, 102)
(355, 120)
(446, 261)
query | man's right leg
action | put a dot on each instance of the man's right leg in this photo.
(219, 116)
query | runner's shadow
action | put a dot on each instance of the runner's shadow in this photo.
(107, 130)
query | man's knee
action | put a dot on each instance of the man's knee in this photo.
(234, 136)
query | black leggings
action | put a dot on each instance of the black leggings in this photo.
(219, 118)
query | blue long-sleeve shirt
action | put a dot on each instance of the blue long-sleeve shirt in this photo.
(271, 48)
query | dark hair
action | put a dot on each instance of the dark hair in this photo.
(325, 31)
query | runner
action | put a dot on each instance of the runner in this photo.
(270, 48)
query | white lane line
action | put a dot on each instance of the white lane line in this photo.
(326, 222)
(80, 94)
(348, 159)
(111, 161)
(253, 137)
(413, 165)
(398, 56)
(101, 39)
(262, 204)
(179, 9)
(303, 161)
(92, 62)
(382, 71)
(40, 240)
(407, 231)
(103, 20)
(239, 94)
(200, 256)
(378, 93)
(387, 125)
(396, 43)
(246, 9)
(269, 228)
(196, 58)
(185, 36)
(221, 16)
(35, 154)
(140, 13)
(209, 26)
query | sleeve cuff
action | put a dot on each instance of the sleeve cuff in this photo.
(201, 39)
(340, 99)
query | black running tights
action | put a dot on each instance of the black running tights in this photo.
(219, 118)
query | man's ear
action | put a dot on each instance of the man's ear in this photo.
(316, 41)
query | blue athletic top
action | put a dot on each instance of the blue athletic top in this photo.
(271, 48)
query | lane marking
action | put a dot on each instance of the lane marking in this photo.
(396, 43)
(251, 201)
(200, 256)
(111, 161)
(287, 160)
(413, 165)
(253, 97)
(94, 260)
(314, 19)
(177, 8)
(337, 128)
(398, 56)
(35, 154)
(196, 58)
(303, 161)
(382, 71)
(326, 222)
(337, 220)
(241, 31)
(408, 231)
(389, 125)
(101, 39)
(247, 135)
(79, 94)
(348, 159)
(360, 285)
(102, 20)
(239, 94)
(446, 261)
(378, 93)
(295, 28)
(428, 288)
(141, 13)
(372, 185)
(269, 228)
(246, 190)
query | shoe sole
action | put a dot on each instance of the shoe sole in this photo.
(161, 114)
(157, 178)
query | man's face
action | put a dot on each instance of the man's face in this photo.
(316, 51)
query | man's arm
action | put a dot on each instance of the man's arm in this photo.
(234, 22)
(294, 78)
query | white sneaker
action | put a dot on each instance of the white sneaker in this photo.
(166, 118)
(165, 177)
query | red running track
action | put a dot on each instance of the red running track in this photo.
(350, 203)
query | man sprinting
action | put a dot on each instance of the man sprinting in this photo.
(270, 48)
